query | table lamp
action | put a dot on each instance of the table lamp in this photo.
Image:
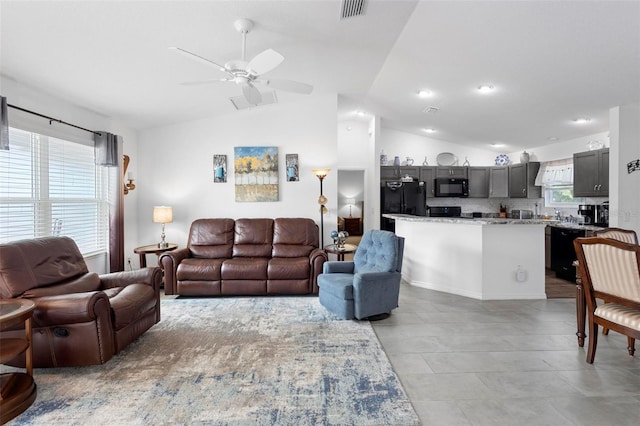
(162, 214)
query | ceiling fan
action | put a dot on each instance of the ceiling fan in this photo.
(247, 74)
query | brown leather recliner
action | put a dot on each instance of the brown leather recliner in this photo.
(250, 256)
(81, 318)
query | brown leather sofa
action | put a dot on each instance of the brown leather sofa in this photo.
(227, 257)
(81, 318)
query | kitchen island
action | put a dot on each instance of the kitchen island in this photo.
(484, 258)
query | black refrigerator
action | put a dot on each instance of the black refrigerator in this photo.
(401, 198)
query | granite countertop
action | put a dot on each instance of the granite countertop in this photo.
(469, 220)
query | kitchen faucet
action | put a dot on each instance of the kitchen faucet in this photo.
(558, 214)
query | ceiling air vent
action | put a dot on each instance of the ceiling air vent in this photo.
(240, 102)
(351, 8)
(431, 110)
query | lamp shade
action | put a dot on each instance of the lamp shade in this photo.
(350, 201)
(321, 173)
(162, 214)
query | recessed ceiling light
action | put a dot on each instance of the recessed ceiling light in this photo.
(486, 88)
(425, 93)
(497, 145)
(430, 130)
(359, 113)
(552, 138)
(581, 120)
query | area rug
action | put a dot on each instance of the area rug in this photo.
(233, 361)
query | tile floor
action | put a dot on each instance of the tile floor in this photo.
(469, 362)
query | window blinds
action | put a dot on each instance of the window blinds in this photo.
(51, 186)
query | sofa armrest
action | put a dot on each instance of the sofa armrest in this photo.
(71, 308)
(317, 258)
(151, 276)
(169, 262)
(338, 267)
(374, 289)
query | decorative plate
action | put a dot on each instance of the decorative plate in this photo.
(446, 159)
(502, 160)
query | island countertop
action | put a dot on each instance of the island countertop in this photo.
(471, 221)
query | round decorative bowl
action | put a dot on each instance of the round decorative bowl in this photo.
(502, 160)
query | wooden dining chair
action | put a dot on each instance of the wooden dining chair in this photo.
(610, 271)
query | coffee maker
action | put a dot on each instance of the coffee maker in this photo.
(588, 211)
(602, 215)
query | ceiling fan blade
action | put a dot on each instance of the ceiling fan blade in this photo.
(252, 94)
(202, 82)
(198, 58)
(265, 62)
(290, 86)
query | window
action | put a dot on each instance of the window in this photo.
(561, 196)
(51, 186)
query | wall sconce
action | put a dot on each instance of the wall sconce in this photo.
(322, 200)
(128, 186)
(350, 202)
(162, 214)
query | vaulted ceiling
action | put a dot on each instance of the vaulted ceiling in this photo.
(550, 62)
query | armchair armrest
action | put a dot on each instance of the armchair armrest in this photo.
(317, 258)
(169, 262)
(151, 276)
(375, 292)
(71, 309)
(338, 267)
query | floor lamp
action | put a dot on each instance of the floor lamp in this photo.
(322, 200)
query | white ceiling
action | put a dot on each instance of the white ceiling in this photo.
(550, 61)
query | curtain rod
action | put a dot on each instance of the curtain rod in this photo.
(51, 119)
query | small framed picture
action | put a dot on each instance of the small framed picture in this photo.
(292, 167)
(219, 168)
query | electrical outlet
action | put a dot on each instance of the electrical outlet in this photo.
(129, 263)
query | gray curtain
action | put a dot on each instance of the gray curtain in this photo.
(4, 124)
(108, 153)
(106, 149)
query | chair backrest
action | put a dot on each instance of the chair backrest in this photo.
(379, 251)
(38, 262)
(609, 266)
(624, 235)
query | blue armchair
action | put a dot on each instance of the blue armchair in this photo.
(370, 284)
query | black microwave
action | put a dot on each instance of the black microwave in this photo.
(451, 187)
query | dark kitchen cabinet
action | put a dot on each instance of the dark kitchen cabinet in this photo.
(479, 182)
(452, 172)
(591, 173)
(499, 182)
(396, 173)
(427, 175)
(522, 179)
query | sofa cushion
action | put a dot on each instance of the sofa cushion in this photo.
(130, 303)
(294, 237)
(211, 238)
(199, 270)
(244, 268)
(39, 262)
(253, 238)
(289, 268)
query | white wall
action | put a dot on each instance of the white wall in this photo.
(402, 144)
(624, 187)
(176, 168)
(563, 149)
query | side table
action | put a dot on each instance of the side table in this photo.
(340, 252)
(152, 249)
(17, 390)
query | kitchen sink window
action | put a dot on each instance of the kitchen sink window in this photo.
(556, 177)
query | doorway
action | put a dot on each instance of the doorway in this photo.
(351, 201)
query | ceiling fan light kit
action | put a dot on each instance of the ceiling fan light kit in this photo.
(247, 74)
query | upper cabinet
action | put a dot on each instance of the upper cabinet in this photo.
(499, 182)
(451, 172)
(397, 172)
(591, 173)
(427, 174)
(522, 179)
(479, 182)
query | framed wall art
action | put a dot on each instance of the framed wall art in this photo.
(256, 173)
(220, 168)
(291, 161)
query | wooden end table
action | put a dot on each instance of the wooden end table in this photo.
(17, 390)
(340, 252)
(152, 249)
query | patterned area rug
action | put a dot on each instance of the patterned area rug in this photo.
(233, 361)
